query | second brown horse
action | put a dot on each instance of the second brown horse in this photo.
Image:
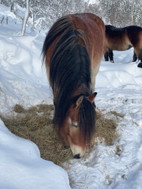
(121, 39)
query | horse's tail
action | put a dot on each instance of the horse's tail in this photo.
(135, 35)
(141, 39)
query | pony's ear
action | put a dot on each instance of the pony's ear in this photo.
(92, 97)
(78, 102)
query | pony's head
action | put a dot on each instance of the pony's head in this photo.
(78, 126)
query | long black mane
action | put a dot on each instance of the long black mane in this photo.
(69, 69)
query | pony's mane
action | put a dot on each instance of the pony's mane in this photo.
(69, 69)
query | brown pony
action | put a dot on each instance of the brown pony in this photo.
(73, 50)
(121, 39)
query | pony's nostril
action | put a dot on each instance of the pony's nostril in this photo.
(77, 156)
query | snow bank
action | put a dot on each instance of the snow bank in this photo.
(22, 168)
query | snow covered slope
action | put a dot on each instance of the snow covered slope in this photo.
(22, 76)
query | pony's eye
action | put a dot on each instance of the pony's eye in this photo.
(74, 124)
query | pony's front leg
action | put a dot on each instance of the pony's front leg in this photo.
(106, 56)
(111, 56)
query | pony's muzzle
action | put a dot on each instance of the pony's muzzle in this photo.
(77, 151)
(77, 156)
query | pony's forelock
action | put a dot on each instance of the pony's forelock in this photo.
(87, 119)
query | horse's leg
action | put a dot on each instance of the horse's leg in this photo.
(111, 56)
(106, 56)
(134, 57)
(138, 53)
(140, 59)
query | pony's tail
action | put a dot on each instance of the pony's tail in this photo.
(58, 28)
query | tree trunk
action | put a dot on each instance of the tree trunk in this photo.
(26, 17)
(12, 6)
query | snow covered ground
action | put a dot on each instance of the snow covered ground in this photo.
(23, 81)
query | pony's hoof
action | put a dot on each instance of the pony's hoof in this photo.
(140, 65)
(112, 61)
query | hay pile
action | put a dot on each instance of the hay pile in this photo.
(36, 125)
(105, 129)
